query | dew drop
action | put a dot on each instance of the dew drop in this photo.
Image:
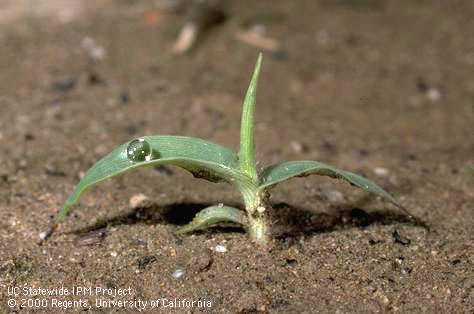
(139, 150)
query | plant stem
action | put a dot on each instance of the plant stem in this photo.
(257, 213)
(259, 228)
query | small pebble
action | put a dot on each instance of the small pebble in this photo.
(178, 273)
(433, 94)
(145, 261)
(113, 254)
(94, 79)
(298, 147)
(139, 201)
(400, 239)
(124, 97)
(381, 171)
(29, 137)
(43, 235)
(54, 172)
(95, 51)
(92, 238)
(200, 262)
(385, 300)
(22, 164)
(220, 248)
(64, 85)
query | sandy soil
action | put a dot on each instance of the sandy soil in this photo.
(383, 88)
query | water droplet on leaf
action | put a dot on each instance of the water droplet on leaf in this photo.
(139, 150)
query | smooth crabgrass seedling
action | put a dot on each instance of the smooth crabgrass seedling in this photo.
(215, 163)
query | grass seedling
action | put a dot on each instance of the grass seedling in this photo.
(215, 163)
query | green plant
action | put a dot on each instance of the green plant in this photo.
(212, 162)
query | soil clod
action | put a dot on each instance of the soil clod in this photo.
(146, 261)
(398, 238)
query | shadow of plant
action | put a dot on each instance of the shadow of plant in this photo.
(293, 221)
(177, 214)
(288, 220)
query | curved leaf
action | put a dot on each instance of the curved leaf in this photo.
(202, 158)
(210, 216)
(280, 172)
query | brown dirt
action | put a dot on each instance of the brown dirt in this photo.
(360, 84)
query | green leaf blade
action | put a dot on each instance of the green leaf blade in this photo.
(247, 127)
(280, 172)
(202, 158)
(213, 215)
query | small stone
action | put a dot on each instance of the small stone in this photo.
(29, 137)
(298, 147)
(201, 262)
(113, 254)
(172, 252)
(95, 51)
(54, 172)
(22, 164)
(64, 85)
(94, 79)
(433, 94)
(139, 201)
(43, 235)
(178, 273)
(380, 171)
(220, 248)
(145, 261)
(92, 238)
(261, 209)
(400, 239)
(384, 299)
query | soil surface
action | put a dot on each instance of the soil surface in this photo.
(381, 88)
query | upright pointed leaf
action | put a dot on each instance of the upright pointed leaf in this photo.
(247, 140)
(214, 215)
(202, 158)
(280, 172)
